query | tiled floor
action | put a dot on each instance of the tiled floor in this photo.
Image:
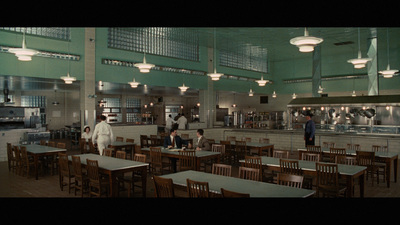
(12, 185)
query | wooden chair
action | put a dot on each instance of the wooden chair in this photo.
(185, 136)
(215, 148)
(211, 141)
(355, 147)
(367, 159)
(232, 194)
(96, 181)
(314, 149)
(221, 169)
(240, 150)
(119, 139)
(315, 157)
(164, 187)
(290, 166)
(61, 145)
(26, 162)
(264, 140)
(143, 141)
(328, 180)
(130, 140)
(51, 144)
(281, 154)
(197, 189)
(378, 163)
(157, 162)
(347, 160)
(120, 155)
(229, 152)
(328, 144)
(12, 162)
(82, 145)
(254, 162)
(18, 160)
(136, 175)
(43, 142)
(187, 160)
(246, 139)
(249, 173)
(333, 152)
(81, 179)
(231, 138)
(108, 152)
(154, 140)
(65, 172)
(290, 180)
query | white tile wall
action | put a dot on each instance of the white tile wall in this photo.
(134, 131)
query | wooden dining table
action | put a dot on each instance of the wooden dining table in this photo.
(254, 188)
(37, 151)
(121, 144)
(259, 147)
(174, 155)
(388, 157)
(114, 167)
(348, 172)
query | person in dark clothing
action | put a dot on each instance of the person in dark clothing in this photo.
(174, 141)
(309, 130)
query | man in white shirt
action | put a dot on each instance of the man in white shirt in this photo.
(169, 123)
(182, 121)
(103, 133)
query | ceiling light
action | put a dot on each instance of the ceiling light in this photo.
(359, 62)
(388, 73)
(134, 84)
(262, 82)
(353, 94)
(274, 95)
(320, 89)
(294, 96)
(215, 76)
(23, 54)
(68, 79)
(144, 67)
(306, 43)
(251, 92)
(183, 88)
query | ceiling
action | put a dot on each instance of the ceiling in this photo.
(275, 40)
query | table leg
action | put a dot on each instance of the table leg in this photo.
(362, 184)
(395, 165)
(198, 164)
(35, 158)
(113, 185)
(144, 180)
(388, 173)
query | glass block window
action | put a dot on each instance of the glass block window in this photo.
(63, 33)
(252, 58)
(133, 110)
(165, 41)
(112, 102)
(33, 101)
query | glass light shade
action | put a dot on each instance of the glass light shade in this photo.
(251, 92)
(306, 43)
(23, 54)
(144, 67)
(134, 84)
(262, 82)
(359, 62)
(215, 76)
(388, 73)
(294, 96)
(183, 88)
(68, 79)
(274, 95)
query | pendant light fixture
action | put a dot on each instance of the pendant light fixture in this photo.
(23, 54)
(234, 105)
(134, 84)
(388, 73)
(359, 62)
(144, 67)
(306, 43)
(320, 89)
(274, 95)
(251, 93)
(294, 96)
(68, 79)
(183, 87)
(262, 82)
(55, 103)
(215, 76)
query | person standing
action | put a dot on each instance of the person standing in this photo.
(168, 125)
(309, 130)
(103, 133)
(182, 121)
(202, 142)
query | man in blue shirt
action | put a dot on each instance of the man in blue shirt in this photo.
(309, 131)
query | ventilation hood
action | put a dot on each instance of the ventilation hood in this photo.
(376, 100)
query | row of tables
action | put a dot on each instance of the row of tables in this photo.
(114, 166)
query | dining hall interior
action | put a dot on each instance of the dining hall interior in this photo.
(246, 92)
